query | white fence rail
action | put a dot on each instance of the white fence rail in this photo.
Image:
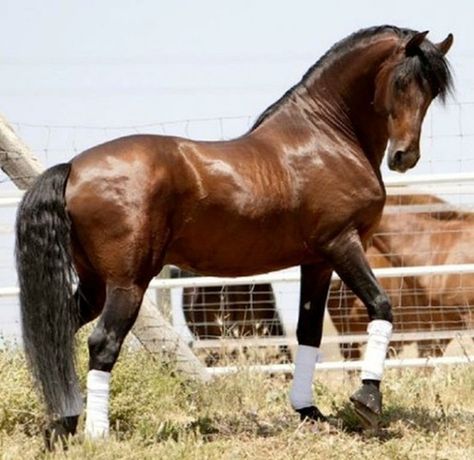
(347, 365)
(278, 277)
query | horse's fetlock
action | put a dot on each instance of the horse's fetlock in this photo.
(383, 310)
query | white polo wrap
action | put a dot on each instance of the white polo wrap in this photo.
(380, 332)
(301, 393)
(97, 407)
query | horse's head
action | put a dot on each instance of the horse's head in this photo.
(415, 74)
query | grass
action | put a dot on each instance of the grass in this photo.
(157, 414)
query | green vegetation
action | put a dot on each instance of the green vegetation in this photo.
(157, 414)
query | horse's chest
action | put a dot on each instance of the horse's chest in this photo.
(330, 211)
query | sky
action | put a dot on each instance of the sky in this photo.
(116, 63)
(134, 63)
(76, 73)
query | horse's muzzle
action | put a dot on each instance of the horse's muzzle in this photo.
(402, 160)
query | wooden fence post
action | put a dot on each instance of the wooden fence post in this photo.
(151, 328)
(16, 159)
(163, 296)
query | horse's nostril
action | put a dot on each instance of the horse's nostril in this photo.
(398, 156)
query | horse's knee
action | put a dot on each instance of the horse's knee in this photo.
(308, 337)
(103, 350)
(382, 309)
(309, 330)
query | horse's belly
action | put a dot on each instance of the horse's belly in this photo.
(236, 248)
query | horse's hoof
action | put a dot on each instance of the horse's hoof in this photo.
(311, 413)
(60, 430)
(367, 402)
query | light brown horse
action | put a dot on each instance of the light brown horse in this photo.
(302, 187)
(422, 303)
(412, 311)
(438, 238)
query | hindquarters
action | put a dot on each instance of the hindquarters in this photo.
(120, 204)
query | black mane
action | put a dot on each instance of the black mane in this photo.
(428, 65)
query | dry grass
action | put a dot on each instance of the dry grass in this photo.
(156, 414)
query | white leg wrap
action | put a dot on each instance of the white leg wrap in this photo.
(380, 332)
(97, 408)
(301, 393)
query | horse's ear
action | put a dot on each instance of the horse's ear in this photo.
(445, 45)
(413, 45)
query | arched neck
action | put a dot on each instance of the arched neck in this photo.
(348, 82)
(336, 98)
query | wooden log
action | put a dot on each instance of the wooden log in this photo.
(158, 337)
(16, 159)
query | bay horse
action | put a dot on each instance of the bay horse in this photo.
(301, 187)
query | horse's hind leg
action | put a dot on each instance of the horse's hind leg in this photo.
(120, 311)
(89, 297)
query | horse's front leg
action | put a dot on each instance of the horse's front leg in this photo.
(347, 257)
(315, 280)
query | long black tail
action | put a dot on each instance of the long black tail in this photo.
(49, 313)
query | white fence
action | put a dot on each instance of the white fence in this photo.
(446, 340)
